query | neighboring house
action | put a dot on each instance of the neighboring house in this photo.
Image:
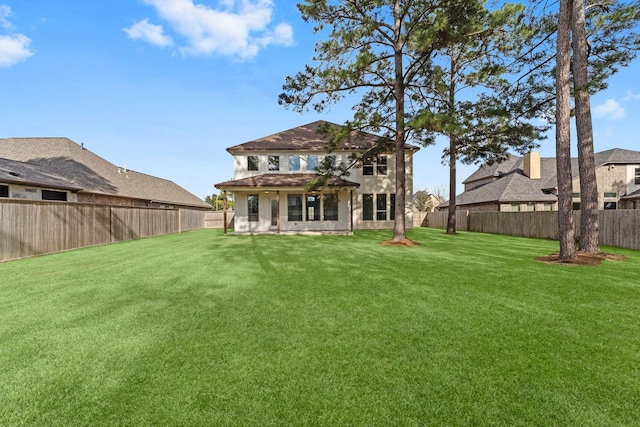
(59, 169)
(431, 204)
(529, 183)
(271, 175)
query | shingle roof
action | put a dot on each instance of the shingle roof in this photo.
(306, 138)
(632, 196)
(509, 183)
(25, 173)
(282, 180)
(512, 187)
(617, 156)
(81, 168)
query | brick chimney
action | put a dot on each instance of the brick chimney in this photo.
(531, 166)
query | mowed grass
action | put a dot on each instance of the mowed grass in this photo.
(205, 329)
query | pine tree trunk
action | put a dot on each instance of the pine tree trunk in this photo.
(399, 233)
(451, 219)
(566, 232)
(453, 146)
(589, 227)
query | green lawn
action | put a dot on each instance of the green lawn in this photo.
(205, 329)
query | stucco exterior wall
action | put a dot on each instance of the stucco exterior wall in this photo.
(369, 184)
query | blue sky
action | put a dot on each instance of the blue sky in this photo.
(165, 86)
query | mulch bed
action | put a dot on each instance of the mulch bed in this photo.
(583, 258)
(404, 243)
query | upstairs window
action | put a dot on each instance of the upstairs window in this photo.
(252, 163)
(4, 191)
(610, 194)
(312, 162)
(294, 163)
(274, 163)
(381, 166)
(637, 176)
(367, 167)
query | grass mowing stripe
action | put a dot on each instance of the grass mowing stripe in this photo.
(201, 329)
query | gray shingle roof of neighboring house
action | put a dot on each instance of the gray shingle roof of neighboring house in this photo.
(307, 138)
(25, 173)
(279, 180)
(631, 196)
(509, 183)
(617, 156)
(84, 170)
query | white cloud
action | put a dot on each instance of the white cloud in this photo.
(5, 12)
(630, 95)
(234, 28)
(13, 47)
(611, 110)
(149, 33)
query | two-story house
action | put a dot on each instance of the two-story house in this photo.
(271, 177)
(529, 183)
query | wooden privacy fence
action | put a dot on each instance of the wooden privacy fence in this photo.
(620, 228)
(30, 228)
(216, 219)
(439, 219)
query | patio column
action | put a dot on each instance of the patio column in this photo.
(278, 211)
(224, 211)
(351, 210)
